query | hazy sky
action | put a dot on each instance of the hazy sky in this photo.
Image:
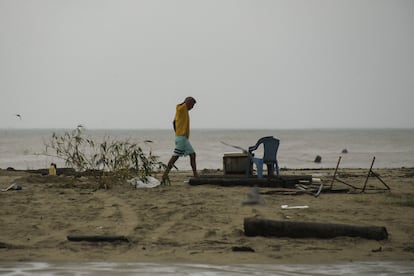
(249, 64)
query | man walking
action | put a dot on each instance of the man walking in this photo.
(183, 146)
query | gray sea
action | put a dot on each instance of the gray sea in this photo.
(392, 148)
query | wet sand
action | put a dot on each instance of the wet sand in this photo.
(199, 224)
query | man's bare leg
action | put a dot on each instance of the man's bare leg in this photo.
(165, 179)
(193, 164)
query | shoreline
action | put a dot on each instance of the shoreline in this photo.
(199, 224)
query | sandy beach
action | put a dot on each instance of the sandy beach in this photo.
(199, 224)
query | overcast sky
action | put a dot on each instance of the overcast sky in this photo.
(249, 64)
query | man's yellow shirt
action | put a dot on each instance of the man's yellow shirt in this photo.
(182, 120)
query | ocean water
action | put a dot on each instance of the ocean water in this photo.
(392, 148)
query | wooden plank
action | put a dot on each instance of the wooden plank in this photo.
(286, 181)
(97, 238)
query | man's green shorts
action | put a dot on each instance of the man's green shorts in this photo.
(182, 146)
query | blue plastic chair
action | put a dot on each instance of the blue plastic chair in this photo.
(270, 147)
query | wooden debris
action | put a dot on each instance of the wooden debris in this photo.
(242, 249)
(97, 238)
(371, 172)
(285, 181)
(298, 229)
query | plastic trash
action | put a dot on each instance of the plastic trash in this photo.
(151, 182)
(13, 186)
(294, 207)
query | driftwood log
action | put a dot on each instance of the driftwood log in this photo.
(97, 238)
(297, 229)
(285, 181)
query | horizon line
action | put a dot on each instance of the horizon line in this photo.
(207, 128)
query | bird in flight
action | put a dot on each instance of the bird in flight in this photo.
(19, 116)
